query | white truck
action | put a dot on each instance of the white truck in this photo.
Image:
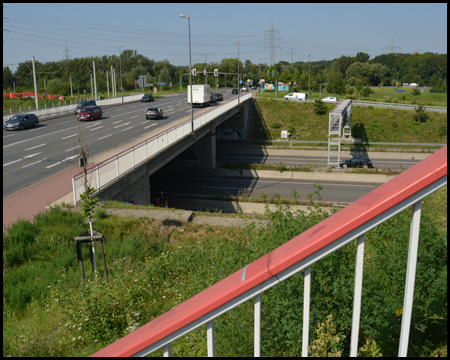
(296, 97)
(201, 95)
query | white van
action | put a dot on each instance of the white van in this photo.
(296, 96)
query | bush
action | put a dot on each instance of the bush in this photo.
(420, 115)
(416, 92)
(319, 107)
(275, 125)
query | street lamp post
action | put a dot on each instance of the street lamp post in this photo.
(190, 70)
(120, 57)
(309, 71)
(239, 87)
(259, 74)
(206, 74)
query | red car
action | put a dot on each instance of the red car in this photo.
(90, 113)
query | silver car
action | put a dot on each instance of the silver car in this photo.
(154, 112)
(21, 121)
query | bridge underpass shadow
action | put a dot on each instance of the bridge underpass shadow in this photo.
(360, 135)
(198, 189)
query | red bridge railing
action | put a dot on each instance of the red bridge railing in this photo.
(351, 223)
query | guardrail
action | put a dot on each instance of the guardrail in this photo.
(348, 224)
(67, 109)
(111, 169)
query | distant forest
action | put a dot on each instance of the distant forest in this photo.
(428, 69)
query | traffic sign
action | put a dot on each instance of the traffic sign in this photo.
(161, 83)
(268, 72)
(194, 72)
(273, 73)
(216, 72)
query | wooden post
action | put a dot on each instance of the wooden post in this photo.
(80, 258)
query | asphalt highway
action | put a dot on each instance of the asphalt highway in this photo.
(193, 186)
(33, 154)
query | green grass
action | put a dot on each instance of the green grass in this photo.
(380, 95)
(49, 311)
(372, 125)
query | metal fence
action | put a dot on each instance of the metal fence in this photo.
(114, 167)
(349, 224)
(70, 108)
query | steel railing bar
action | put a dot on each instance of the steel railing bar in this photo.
(210, 338)
(357, 296)
(257, 331)
(306, 308)
(410, 278)
(167, 350)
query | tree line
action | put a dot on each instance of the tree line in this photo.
(334, 76)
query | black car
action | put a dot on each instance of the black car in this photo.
(212, 99)
(148, 97)
(21, 121)
(83, 104)
(234, 91)
(357, 163)
(218, 96)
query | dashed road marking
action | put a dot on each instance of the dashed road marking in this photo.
(31, 164)
(48, 167)
(28, 156)
(12, 162)
(115, 127)
(69, 136)
(149, 126)
(105, 136)
(34, 147)
(127, 128)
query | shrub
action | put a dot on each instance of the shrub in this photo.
(416, 92)
(420, 115)
(275, 125)
(319, 107)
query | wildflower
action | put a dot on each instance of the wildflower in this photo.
(136, 314)
(79, 337)
(135, 280)
(164, 297)
(96, 341)
(49, 286)
(66, 324)
(87, 319)
(179, 247)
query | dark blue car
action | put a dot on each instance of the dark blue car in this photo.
(399, 90)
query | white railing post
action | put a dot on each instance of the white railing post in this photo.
(132, 156)
(98, 177)
(306, 299)
(117, 166)
(210, 338)
(357, 296)
(167, 350)
(257, 331)
(74, 194)
(410, 278)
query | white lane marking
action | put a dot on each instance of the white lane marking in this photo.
(134, 116)
(127, 128)
(87, 127)
(48, 167)
(188, 111)
(115, 127)
(62, 122)
(37, 129)
(105, 136)
(69, 136)
(73, 148)
(171, 113)
(145, 122)
(31, 164)
(97, 128)
(34, 147)
(28, 156)
(149, 126)
(12, 162)
(115, 122)
(8, 136)
(70, 157)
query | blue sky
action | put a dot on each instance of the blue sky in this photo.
(326, 31)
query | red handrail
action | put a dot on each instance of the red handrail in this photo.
(408, 183)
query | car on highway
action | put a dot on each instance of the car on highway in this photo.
(148, 97)
(244, 88)
(330, 100)
(253, 87)
(21, 121)
(90, 113)
(154, 112)
(83, 104)
(358, 162)
(218, 96)
(399, 90)
(234, 91)
(212, 99)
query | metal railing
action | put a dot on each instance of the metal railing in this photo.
(68, 109)
(348, 224)
(111, 169)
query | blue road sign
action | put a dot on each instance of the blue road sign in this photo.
(162, 83)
